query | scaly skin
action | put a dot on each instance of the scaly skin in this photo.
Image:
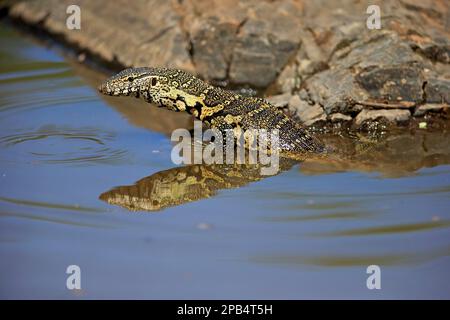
(220, 109)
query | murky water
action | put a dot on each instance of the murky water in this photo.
(70, 159)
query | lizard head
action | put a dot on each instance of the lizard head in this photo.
(148, 82)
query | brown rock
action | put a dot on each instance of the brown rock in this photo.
(242, 42)
(333, 88)
(339, 117)
(312, 50)
(393, 83)
(430, 108)
(262, 50)
(288, 80)
(317, 120)
(212, 57)
(392, 116)
(438, 91)
(320, 47)
(307, 114)
(117, 31)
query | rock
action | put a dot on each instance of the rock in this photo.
(434, 51)
(339, 117)
(119, 32)
(392, 116)
(426, 6)
(308, 67)
(333, 88)
(342, 35)
(430, 108)
(288, 80)
(317, 120)
(437, 91)
(312, 50)
(393, 83)
(322, 50)
(376, 67)
(211, 57)
(306, 113)
(376, 50)
(264, 44)
(303, 94)
(281, 100)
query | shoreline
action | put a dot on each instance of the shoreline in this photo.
(307, 103)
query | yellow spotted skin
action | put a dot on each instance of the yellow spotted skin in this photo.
(224, 110)
(185, 184)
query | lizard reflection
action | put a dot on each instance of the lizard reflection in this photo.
(181, 185)
(391, 156)
(190, 183)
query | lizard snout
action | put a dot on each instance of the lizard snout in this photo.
(105, 88)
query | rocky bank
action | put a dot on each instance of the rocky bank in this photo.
(317, 59)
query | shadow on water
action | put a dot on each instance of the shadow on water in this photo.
(356, 260)
(50, 205)
(181, 185)
(392, 156)
(138, 112)
(59, 145)
(392, 229)
(396, 155)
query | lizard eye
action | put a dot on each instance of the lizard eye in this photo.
(130, 79)
(154, 81)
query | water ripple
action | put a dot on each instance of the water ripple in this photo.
(59, 145)
(390, 229)
(397, 259)
(50, 205)
(64, 220)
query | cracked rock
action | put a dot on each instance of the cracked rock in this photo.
(260, 54)
(288, 80)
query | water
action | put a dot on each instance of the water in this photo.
(70, 159)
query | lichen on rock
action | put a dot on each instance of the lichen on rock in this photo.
(328, 58)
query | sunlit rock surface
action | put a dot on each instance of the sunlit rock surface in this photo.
(321, 48)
